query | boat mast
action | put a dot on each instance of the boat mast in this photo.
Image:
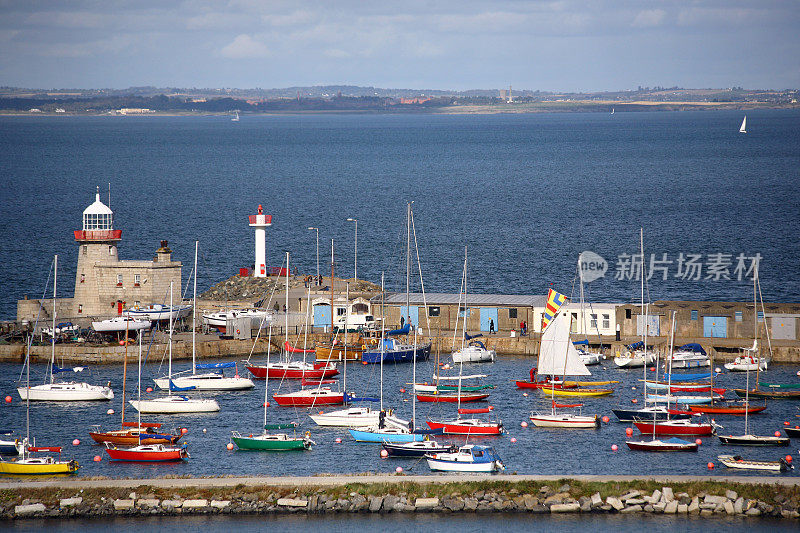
(169, 372)
(125, 371)
(139, 388)
(266, 381)
(286, 307)
(53, 333)
(332, 294)
(383, 329)
(305, 328)
(464, 334)
(344, 338)
(194, 309)
(408, 263)
(644, 322)
(583, 316)
(755, 326)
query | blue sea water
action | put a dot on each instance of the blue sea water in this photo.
(526, 193)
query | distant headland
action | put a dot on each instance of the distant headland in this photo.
(149, 101)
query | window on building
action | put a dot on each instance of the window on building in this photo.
(760, 316)
(606, 321)
(512, 312)
(434, 311)
(593, 321)
(463, 312)
(119, 280)
(627, 314)
(137, 279)
(340, 311)
(85, 249)
(694, 314)
(738, 316)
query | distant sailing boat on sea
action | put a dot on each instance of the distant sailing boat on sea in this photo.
(236, 117)
(743, 127)
(612, 110)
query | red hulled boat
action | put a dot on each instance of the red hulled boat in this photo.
(309, 398)
(148, 453)
(294, 370)
(451, 396)
(469, 426)
(727, 409)
(675, 427)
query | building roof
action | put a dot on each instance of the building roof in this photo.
(441, 298)
(98, 207)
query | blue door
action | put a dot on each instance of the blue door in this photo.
(488, 313)
(322, 315)
(715, 326)
(410, 312)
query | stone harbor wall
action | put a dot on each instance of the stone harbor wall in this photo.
(704, 499)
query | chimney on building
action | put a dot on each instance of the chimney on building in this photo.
(163, 254)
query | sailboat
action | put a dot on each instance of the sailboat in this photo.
(466, 426)
(172, 404)
(190, 379)
(304, 397)
(357, 416)
(235, 117)
(558, 356)
(145, 450)
(62, 391)
(133, 433)
(28, 464)
(669, 445)
(743, 127)
(637, 354)
(748, 439)
(271, 441)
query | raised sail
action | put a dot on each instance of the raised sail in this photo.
(558, 356)
(743, 127)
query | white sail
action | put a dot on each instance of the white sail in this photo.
(557, 355)
(743, 128)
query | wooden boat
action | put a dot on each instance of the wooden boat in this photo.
(469, 458)
(325, 351)
(416, 449)
(148, 453)
(727, 409)
(656, 445)
(779, 385)
(450, 396)
(736, 461)
(134, 433)
(674, 427)
(47, 465)
(753, 440)
(584, 392)
(769, 394)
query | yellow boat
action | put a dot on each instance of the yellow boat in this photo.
(576, 392)
(38, 466)
(588, 383)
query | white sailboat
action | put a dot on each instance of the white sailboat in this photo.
(235, 117)
(174, 404)
(635, 357)
(190, 379)
(743, 127)
(558, 356)
(63, 391)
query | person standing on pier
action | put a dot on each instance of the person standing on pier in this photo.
(491, 326)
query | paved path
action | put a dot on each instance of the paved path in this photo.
(327, 481)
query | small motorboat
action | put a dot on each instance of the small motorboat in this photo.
(736, 461)
(690, 355)
(417, 448)
(670, 445)
(158, 312)
(474, 352)
(469, 458)
(148, 453)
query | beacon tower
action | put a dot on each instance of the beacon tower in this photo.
(260, 222)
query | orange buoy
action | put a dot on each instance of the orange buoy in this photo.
(777, 433)
(523, 424)
(97, 459)
(614, 447)
(710, 466)
(629, 431)
(786, 423)
(788, 458)
(229, 446)
(403, 390)
(606, 419)
(8, 399)
(634, 401)
(698, 441)
(338, 440)
(184, 431)
(149, 389)
(525, 394)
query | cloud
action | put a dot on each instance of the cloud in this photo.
(649, 18)
(244, 46)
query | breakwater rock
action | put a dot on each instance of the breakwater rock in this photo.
(250, 288)
(705, 499)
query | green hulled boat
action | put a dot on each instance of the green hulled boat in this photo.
(272, 441)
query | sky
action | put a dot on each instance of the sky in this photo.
(594, 45)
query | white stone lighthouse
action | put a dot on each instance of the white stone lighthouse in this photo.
(260, 223)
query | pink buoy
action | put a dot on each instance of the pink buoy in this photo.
(605, 419)
(399, 469)
(718, 370)
(777, 433)
(788, 458)
(97, 459)
(710, 466)
(338, 440)
(149, 389)
(229, 445)
(614, 447)
(524, 394)
(523, 424)
(629, 431)
(403, 390)
(698, 441)
(513, 440)
(110, 412)
(8, 399)
(184, 431)
(76, 442)
(384, 454)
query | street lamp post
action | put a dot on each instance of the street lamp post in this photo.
(317, 230)
(355, 264)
